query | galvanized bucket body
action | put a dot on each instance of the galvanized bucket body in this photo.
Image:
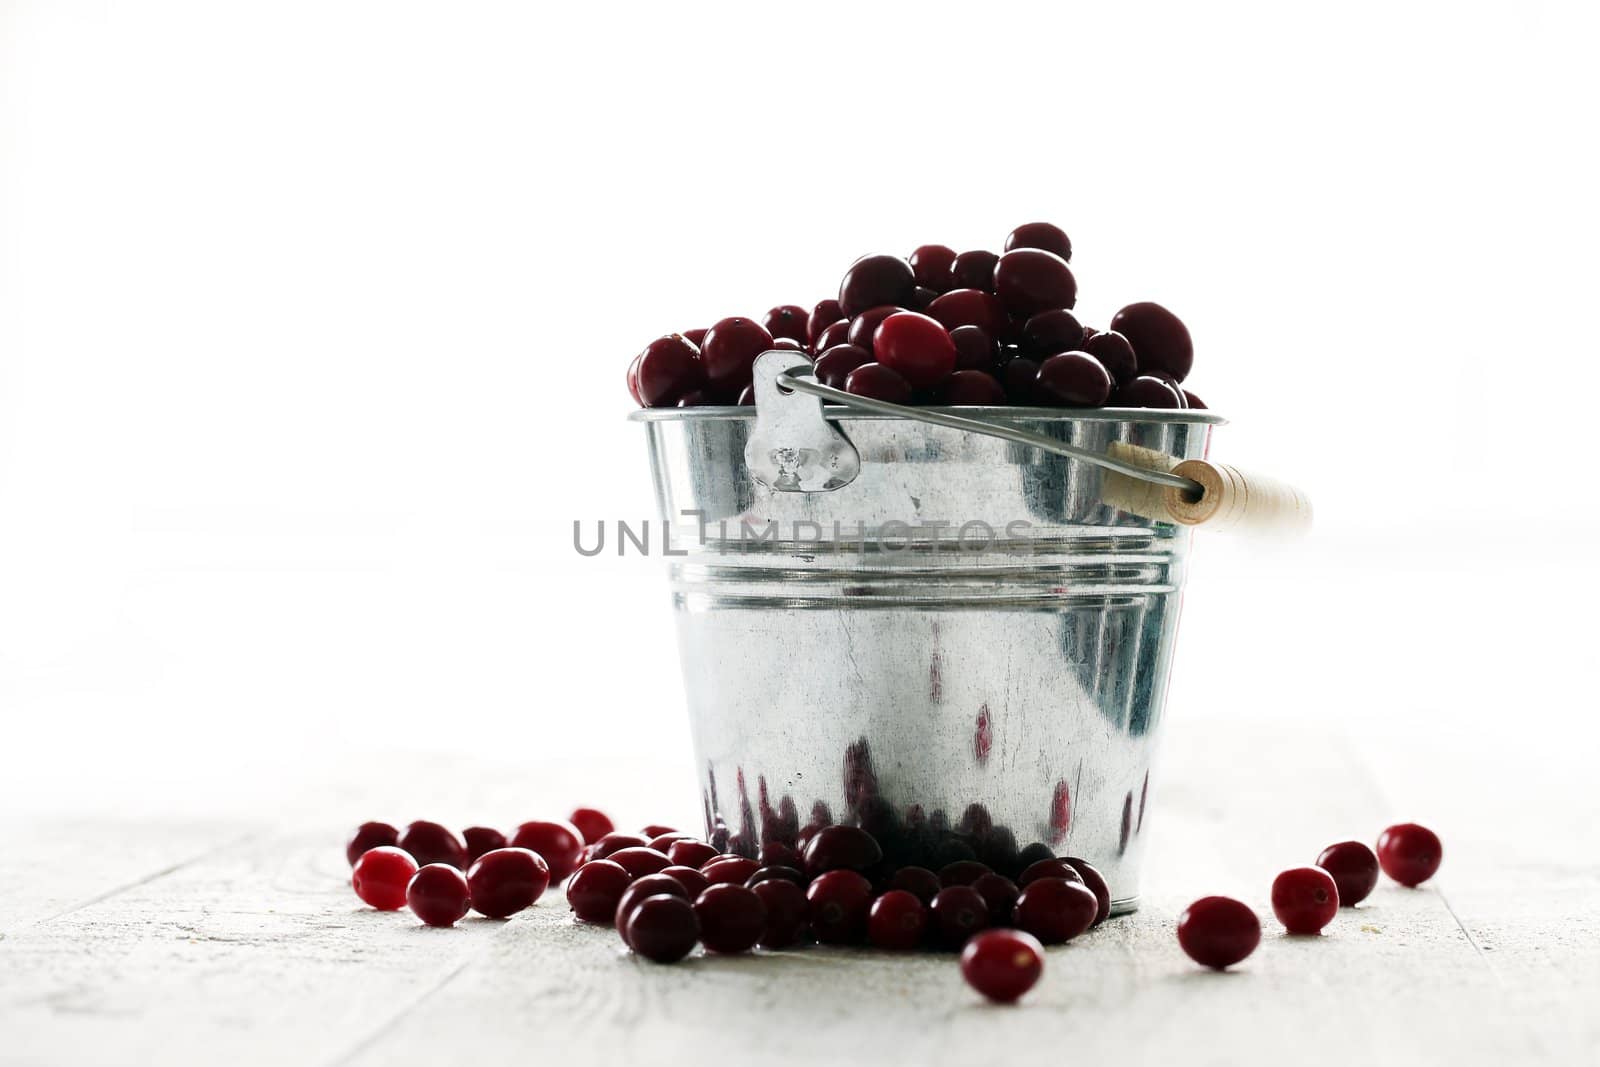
(957, 692)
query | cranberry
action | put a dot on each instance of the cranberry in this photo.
(1020, 379)
(972, 387)
(1041, 235)
(1050, 868)
(930, 266)
(1002, 964)
(872, 281)
(974, 270)
(1097, 885)
(1114, 353)
(1055, 910)
(1354, 869)
(694, 854)
(975, 348)
(437, 894)
(633, 380)
(380, 876)
(1050, 332)
(558, 842)
(730, 350)
(1305, 899)
(651, 885)
(787, 320)
(962, 872)
(733, 870)
(897, 920)
(877, 382)
(732, 918)
(1147, 391)
(428, 842)
(864, 327)
(766, 874)
(1410, 854)
(778, 854)
(662, 928)
(825, 314)
(837, 905)
(835, 365)
(656, 829)
(640, 861)
(669, 367)
(692, 880)
(481, 840)
(787, 344)
(969, 307)
(506, 880)
(834, 336)
(958, 911)
(613, 842)
(916, 346)
(1159, 338)
(921, 297)
(596, 889)
(1074, 379)
(696, 398)
(1192, 401)
(1028, 281)
(1218, 931)
(918, 881)
(662, 842)
(1000, 893)
(786, 913)
(836, 847)
(369, 835)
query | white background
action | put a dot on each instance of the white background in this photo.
(314, 319)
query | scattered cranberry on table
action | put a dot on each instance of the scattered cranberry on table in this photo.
(1096, 882)
(662, 928)
(481, 840)
(506, 880)
(918, 881)
(438, 895)
(558, 842)
(1002, 964)
(1305, 899)
(640, 861)
(650, 885)
(787, 913)
(1055, 910)
(1054, 867)
(767, 874)
(1354, 868)
(1001, 894)
(1218, 932)
(897, 921)
(1410, 854)
(595, 890)
(729, 870)
(732, 918)
(688, 877)
(369, 835)
(839, 901)
(694, 854)
(958, 912)
(380, 877)
(429, 842)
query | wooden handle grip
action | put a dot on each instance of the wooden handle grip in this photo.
(1236, 500)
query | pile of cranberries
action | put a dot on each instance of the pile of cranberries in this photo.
(941, 328)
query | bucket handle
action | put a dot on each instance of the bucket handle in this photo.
(794, 449)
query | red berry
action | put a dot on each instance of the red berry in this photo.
(592, 824)
(640, 861)
(662, 842)
(838, 902)
(864, 327)
(962, 872)
(694, 854)
(729, 870)
(767, 874)
(662, 928)
(1354, 868)
(428, 842)
(918, 881)
(787, 320)
(897, 920)
(835, 365)
(1002, 964)
(1192, 401)
(916, 346)
(1410, 854)
(974, 270)
(877, 382)
(1074, 379)
(1305, 899)
(825, 314)
(651, 885)
(1218, 931)
(1020, 379)
(729, 351)
(778, 854)
(1001, 894)
(969, 307)
(558, 842)
(873, 281)
(437, 894)
(975, 348)
(596, 889)
(1114, 353)
(481, 840)
(1147, 391)
(692, 880)
(1050, 868)
(841, 847)
(1055, 910)
(669, 367)
(1029, 280)
(1041, 235)
(615, 842)
(1160, 339)
(1050, 332)
(958, 912)
(1097, 885)
(633, 379)
(380, 877)
(369, 835)
(732, 918)
(506, 880)
(786, 913)
(971, 388)
(930, 266)
(833, 336)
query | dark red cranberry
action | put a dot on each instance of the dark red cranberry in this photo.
(835, 365)
(669, 367)
(656, 829)
(380, 876)
(1074, 379)
(732, 870)
(962, 872)
(633, 380)
(788, 344)
(612, 842)
(787, 320)
(833, 336)
(969, 307)
(1020, 379)
(730, 350)
(930, 266)
(873, 281)
(640, 861)
(764, 874)
(367, 836)
(974, 270)
(877, 382)
(662, 842)
(1029, 280)
(1002, 964)
(1354, 868)
(778, 854)
(651, 885)
(1160, 339)
(1041, 235)
(1192, 401)
(918, 881)
(1097, 885)
(428, 842)
(786, 913)
(1305, 899)
(1410, 854)
(1114, 353)
(481, 840)
(691, 880)
(972, 387)
(694, 854)
(506, 880)
(696, 398)
(921, 297)
(916, 346)
(1050, 332)
(897, 921)
(1050, 868)
(864, 327)
(1147, 391)
(825, 314)
(595, 890)
(1000, 893)
(558, 842)
(841, 847)
(1218, 931)
(958, 912)
(732, 918)
(662, 928)
(437, 894)
(837, 905)
(1056, 910)
(975, 348)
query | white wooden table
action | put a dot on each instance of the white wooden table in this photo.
(222, 940)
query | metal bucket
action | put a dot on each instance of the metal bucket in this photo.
(958, 695)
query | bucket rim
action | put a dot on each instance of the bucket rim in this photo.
(978, 411)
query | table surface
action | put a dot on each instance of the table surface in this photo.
(216, 939)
